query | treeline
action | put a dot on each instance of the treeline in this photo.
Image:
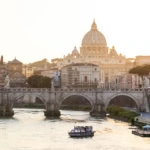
(39, 81)
(121, 114)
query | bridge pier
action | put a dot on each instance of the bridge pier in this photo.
(52, 113)
(6, 111)
(52, 110)
(98, 110)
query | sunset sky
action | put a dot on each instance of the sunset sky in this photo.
(32, 30)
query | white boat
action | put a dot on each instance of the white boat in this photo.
(82, 131)
(144, 132)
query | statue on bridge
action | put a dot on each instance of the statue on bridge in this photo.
(7, 82)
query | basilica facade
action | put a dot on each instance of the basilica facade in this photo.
(94, 50)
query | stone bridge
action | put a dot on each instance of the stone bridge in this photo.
(53, 98)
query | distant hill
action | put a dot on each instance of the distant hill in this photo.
(40, 64)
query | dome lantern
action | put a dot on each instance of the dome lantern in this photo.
(94, 26)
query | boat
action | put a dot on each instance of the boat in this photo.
(82, 131)
(143, 132)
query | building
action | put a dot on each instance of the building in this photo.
(94, 50)
(27, 71)
(142, 60)
(14, 66)
(3, 72)
(16, 78)
(49, 73)
(80, 75)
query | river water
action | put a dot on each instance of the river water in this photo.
(30, 130)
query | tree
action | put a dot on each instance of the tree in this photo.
(141, 71)
(39, 81)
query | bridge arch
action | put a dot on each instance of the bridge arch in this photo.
(73, 94)
(36, 95)
(122, 94)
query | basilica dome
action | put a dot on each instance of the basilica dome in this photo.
(94, 37)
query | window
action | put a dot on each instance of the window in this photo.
(85, 79)
(75, 80)
(106, 79)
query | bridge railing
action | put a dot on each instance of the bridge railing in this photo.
(95, 89)
(65, 90)
(25, 89)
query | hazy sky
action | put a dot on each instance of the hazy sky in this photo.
(32, 30)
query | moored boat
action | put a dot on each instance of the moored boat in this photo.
(143, 132)
(82, 131)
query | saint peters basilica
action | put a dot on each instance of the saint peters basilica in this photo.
(94, 50)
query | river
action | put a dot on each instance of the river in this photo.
(30, 130)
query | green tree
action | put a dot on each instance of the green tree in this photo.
(39, 81)
(141, 71)
(121, 113)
